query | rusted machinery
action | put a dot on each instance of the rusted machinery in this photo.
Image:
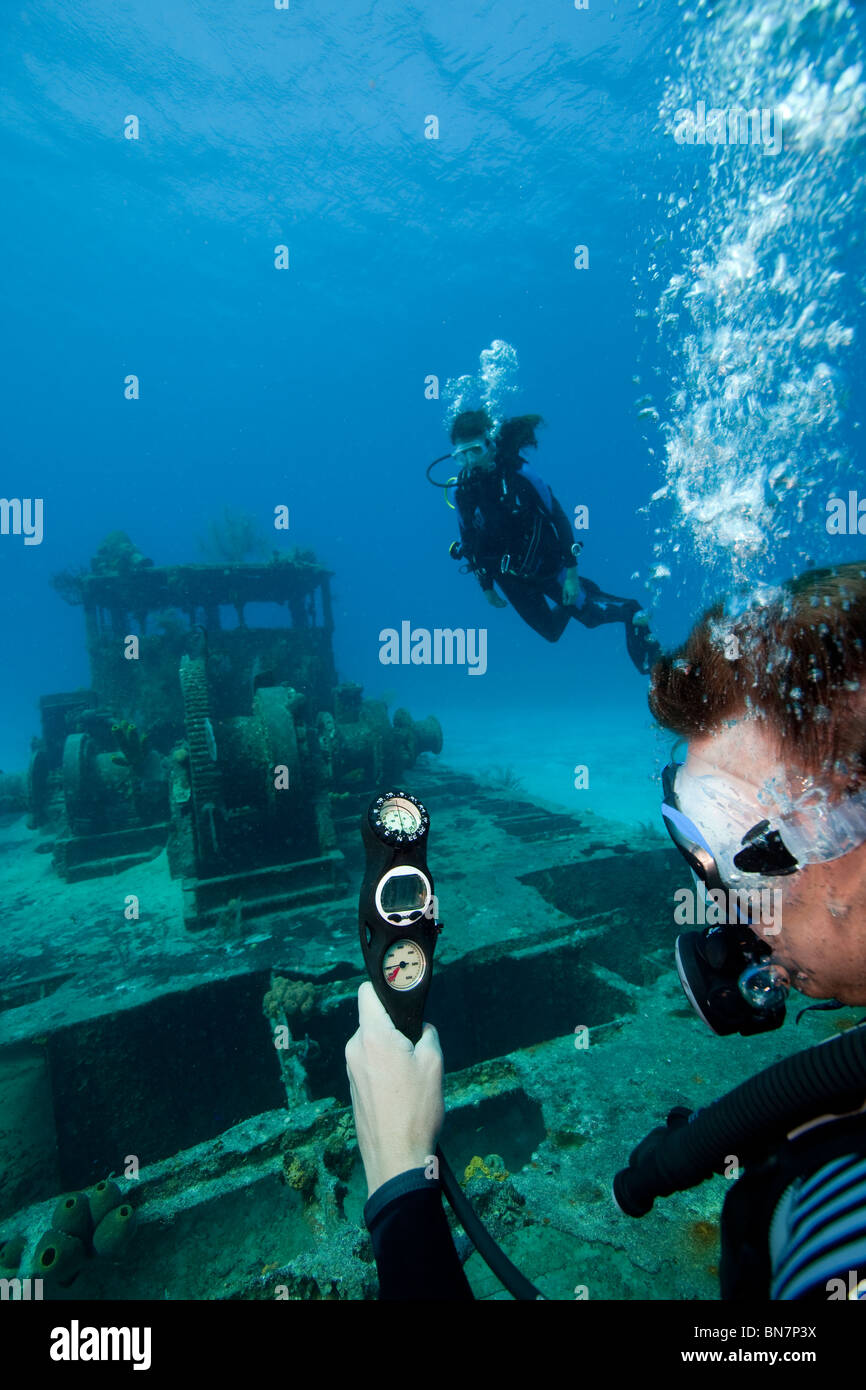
(228, 743)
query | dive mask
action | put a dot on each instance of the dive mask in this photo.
(736, 855)
(724, 969)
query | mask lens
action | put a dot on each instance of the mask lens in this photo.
(725, 823)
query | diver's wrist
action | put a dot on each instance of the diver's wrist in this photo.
(403, 1161)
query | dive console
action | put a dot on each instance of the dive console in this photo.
(398, 929)
(396, 913)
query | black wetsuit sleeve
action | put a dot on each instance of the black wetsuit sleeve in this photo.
(470, 540)
(415, 1256)
(563, 530)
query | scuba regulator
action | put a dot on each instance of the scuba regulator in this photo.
(729, 980)
(398, 930)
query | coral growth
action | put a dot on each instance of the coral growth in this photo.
(339, 1152)
(503, 779)
(134, 747)
(292, 999)
(703, 1235)
(300, 1173)
(84, 1225)
(118, 555)
(490, 1167)
(233, 538)
(68, 584)
(230, 921)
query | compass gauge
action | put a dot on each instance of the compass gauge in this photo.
(398, 819)
(400, 816)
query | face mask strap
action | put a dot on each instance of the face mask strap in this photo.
(686, 835)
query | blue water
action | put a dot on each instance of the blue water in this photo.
(701, 379)
(305, 127)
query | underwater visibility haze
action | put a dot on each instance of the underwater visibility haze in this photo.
(261, 262)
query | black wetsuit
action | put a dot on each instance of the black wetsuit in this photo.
(415, 1255)
(793, 1227)
(514, 533)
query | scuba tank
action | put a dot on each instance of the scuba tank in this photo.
(535, 534)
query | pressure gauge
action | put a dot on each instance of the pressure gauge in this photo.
(404, 965)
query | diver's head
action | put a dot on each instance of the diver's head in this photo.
(472, 437)
(478, 444)
(771, 800)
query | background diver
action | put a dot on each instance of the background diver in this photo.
(514, 533)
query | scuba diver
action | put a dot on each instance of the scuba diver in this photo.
(514, 533)
(773, 792)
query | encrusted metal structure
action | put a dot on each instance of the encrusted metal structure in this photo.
(214, 726)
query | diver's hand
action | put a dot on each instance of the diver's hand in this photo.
(570, 588)
(494, 600)
(397, 1092)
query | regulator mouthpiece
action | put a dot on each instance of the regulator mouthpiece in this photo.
(764, 986)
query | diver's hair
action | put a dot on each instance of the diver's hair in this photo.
(796, 659)
(513, 435)
(470, 424)
(516, 434)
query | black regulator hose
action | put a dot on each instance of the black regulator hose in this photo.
(431, 466)
(827, 1079)
(493, 1255)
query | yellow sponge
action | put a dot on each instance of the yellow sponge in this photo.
(114, 1230)
(72, 1215)
(103, 1198)
(58, 1256)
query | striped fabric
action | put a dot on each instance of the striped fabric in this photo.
(818, 1234)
